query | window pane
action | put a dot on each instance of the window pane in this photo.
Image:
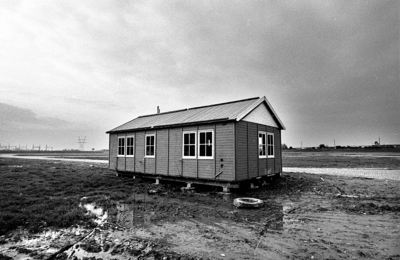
(185, 138)
(192, 150)
(186, 150)
(202, 138)
(192, 138)
(152, 150)
(202, 150)
(209, 138)
(209, 150)
(151, 140)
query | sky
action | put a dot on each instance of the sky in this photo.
(71, 69)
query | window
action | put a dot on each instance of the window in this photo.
(271, 145)
(130, 146)
(206, 147)
(189, 145)
(262, 144)
(150, 145)
(121, 146)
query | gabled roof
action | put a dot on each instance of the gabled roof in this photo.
(230, 111)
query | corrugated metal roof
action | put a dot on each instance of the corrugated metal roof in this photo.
(211, 113)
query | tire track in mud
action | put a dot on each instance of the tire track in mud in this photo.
(338, 235)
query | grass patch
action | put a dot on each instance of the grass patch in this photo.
(35, 194)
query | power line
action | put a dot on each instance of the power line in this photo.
(81, 142)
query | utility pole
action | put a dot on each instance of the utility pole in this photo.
(81, 142)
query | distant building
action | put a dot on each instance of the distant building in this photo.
(229, 142)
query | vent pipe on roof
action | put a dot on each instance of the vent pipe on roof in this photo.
(158, 110)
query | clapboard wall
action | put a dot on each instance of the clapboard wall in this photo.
(168, 159)
(235, 157)
(248, 163)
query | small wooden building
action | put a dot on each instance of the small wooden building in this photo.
(226, 143)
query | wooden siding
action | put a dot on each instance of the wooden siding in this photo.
(235, 153)
(278, 150)
(130, 164)
(252, 145)
(121, 164)
(150, 163)
(113, 151)
(248, 163)
(262, 162)
(175, 152)
(241, 151)
(206, 169)
(139, 155)
(162, 152)
(189, 166)
(224, 151)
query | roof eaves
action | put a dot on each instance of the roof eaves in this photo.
(121, 125)
(225, 119)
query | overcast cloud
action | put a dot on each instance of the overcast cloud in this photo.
(330, 69)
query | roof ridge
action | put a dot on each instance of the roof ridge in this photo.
(192, 108)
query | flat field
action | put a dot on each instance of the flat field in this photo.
(362, 158)
(71, 210)
(92, 155)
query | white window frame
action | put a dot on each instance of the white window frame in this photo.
(133, 146)
(145, 146)
(195, 145)
(124, 147)
(264, 134)
(199, 144)
(270, 145)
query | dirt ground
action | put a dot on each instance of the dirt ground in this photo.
(305, 216)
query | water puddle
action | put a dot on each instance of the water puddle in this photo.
(23, 245)
(100, 213)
